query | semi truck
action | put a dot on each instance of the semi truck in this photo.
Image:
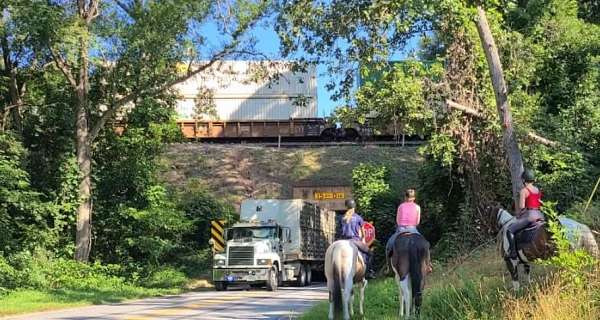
(275, 242)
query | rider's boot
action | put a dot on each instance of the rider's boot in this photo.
(370, 272)
(512, 246)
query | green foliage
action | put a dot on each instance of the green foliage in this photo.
(369, 182)
(442, 148)
(397, 98)
(201, 206)
(376, 202)
(575, 263)
(150, 235)
(37, 281)
(167, 277)
(589, 217)
(23, 213)
(8, 276)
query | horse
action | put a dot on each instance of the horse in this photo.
(411, 262)
(535, 242)
(344, 266)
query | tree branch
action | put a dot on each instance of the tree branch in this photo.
(63, 67)
(133, 95)
(465, 109)
(530, 135)
(537, 138)
(228, 49)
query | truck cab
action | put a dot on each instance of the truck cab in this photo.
(253, 255)
(277, 241)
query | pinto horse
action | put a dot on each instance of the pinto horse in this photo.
(344, 266)
(410, 261)
(535, 242)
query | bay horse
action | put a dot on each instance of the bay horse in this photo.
(411, 262)
(535, 242)
(344, 266)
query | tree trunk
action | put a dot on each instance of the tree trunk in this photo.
(83, 238)
(515, 160)
(10, 72)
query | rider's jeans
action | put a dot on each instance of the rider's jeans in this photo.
(530, 216)
(399, 230)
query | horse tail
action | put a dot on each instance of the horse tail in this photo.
(338, 280)
(589, 243)
(417, 257)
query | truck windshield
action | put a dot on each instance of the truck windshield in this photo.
(252, 233)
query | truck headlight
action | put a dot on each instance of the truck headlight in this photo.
(263, 262)
(219, 262)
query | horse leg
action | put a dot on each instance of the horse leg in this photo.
(514, 271)
(407, 292)
(400, 295)
(351, 302)
(346, 295)
(527, 269)
(363, 286)
(330, 306)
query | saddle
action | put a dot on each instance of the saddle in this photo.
(408, 234)
(527, 235)
(534, 241)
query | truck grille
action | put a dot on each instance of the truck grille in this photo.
(241, 256)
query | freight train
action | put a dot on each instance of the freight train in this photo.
(258, 101)
(255, 100)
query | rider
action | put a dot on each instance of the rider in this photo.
(352, 229)
(408, 217)
(530, 201)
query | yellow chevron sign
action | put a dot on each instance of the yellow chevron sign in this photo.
(217, 229)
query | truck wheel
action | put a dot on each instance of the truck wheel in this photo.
(272, 279)
(220, 286)
(301, 280)
(308, 275)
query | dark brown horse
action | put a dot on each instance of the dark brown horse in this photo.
(535, 242)
(410, 261)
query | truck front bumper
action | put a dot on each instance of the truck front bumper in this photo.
(239, 275)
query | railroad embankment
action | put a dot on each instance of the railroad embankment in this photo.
(237, 171)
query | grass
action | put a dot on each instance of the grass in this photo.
(478, 289)
(29, 300)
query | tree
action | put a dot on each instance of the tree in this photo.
(114, 53)
(17, 65)
(368, 32)
(511, 147)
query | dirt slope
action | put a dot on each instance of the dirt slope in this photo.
(236, 172)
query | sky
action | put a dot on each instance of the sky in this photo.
(268, 44)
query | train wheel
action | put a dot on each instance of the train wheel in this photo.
(328, 135)
(351, 135)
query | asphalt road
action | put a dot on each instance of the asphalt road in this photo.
(286, 303)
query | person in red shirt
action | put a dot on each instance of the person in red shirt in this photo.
(530, 201)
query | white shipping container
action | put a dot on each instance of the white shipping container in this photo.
(288, 213)
(238, 97)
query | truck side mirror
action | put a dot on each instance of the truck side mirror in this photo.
(288, 235)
